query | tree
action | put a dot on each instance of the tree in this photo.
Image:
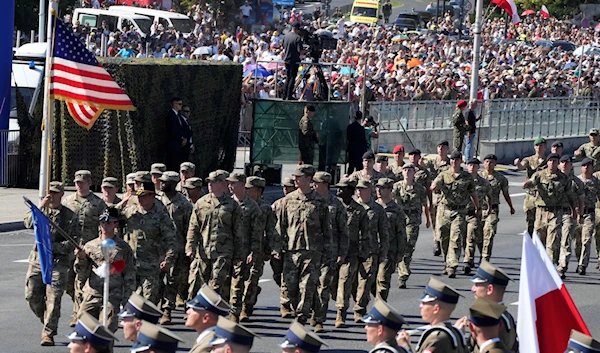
(27, 11)
(557, 8)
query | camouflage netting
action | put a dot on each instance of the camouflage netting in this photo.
(121, 142)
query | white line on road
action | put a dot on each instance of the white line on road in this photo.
(9, 245)
(22, 261)
(517, 195)
(264, 280)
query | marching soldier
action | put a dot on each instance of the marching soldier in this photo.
(590, 149)
(155, 339)
(88, 208)
(435, 166)
(383, 168)
(397, 237)
(421, 174)
(277, 259)
(187, 170)
(474, 234)
(90, 336)
(570, 222)
(151, 234)
(582, 343)
(338, 248)
(214, 236)
(231, 337)
(44, 300)
(367, 173)
(121, 280)
(399, 160)
(192, 189)
(203, 314)
(531, 165)
(109, 191)
(382, 324)
(485, 323)
(585, 230)
(412, 198)
(137, 310)
(298, 340)
(305, 235)
(156, 171)
(457, 189)
(557, 147)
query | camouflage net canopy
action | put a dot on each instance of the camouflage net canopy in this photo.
(275, 130)
(121, 142)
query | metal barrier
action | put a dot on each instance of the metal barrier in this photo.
(413, 115)
(9, 157)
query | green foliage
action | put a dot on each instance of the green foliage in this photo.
(557, 8)
(27, 11)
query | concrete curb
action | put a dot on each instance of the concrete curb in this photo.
(11, 226)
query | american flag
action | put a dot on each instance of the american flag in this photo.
(80, 80)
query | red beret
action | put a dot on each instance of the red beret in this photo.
(398, 148)
(461, 103)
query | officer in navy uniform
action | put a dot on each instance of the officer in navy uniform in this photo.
(137, 309)
(582, 343)
(485, 319)
(437, 304)
(203, 313)
(155, 339)
(298, 340)
(231, 337)
(90, 336)
(382, 324)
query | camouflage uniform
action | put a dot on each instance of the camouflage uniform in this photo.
(460, 129)
(532, 164)
(277, 264)
(397, 172)
(362, 175)
(114, 203)
(585, 231)
(305, 235)
(498, 184)
(397, 246)
(590, 151)
(121, 285)
(214, 235)
(153, 239)
(597, 227)
(474, 234)
(45, 300)
(307, 138)
(435, 167)
(570, 225)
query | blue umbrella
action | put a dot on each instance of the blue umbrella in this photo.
(346, 71)
(257, 72)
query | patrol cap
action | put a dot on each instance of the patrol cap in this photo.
(385, 183)
(110, 182)
(539, 141)
(288, 181)
(298, 337)
(443, 143)
(364, 184)
(485, 313)
(490, 274)
(586, 161)
(565, 158)
(415, 151)
(456, 155)
(208, 299)
(322, 177)
(368, 155)
(154, 337)
(83, 175)
(583, 343)
(474, 160)
(188, 166)
(146, 188)
(141, 308)
(490, 156)
(169, 176)
(255, 181)
(236, 177)
(229, 331)
(594, 131)
(557, 144)
(438, 290)
(304, 169)
(56, 186)
(382, 159)
(157, 168)
(143, 177)
(346, 182)
(130, 179)
(398, 149)
(217, 175)
(552, 156)
(92, 331)
(408, 166)
(110, 214)
(382, 313)
(192, 183)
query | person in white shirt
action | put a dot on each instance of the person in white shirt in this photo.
(246, 9)
(203, 314)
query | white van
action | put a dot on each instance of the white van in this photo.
(180, 22)
(114, 19)
(27, 74)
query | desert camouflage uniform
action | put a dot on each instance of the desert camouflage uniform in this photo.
(584, 232)
(498, 184)
(397, 172)
(362, 175)
(532, 164)
(397, 246)
(277, 264)
(590, 151)
(435, 167)
(571, 225)
(474, 234)
(411, 199)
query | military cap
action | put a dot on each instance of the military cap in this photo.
(491, 274)
(443, 143)
(438, 290)
(188, 166)
(322, 177)
(56, 186)
(158, 168)
(110, 182)
(141, 308)
(91, 330)
(146, 188)
(288, 181)
(298, 337)
(539, 141)
(192, 183)
(594, 131)
(382, 159)
(154, 337)
(83, 175)
(255, 181)
(565, 158)
(552, 156)
(304, 169)
(169, 176)
(398, 149)
(587, 161)
(557, 144)
(208, 299)
(130, 179)
(583, 343)
(110, 214)
(385, 183)
(143, 177)
(415, 151)
(491, 156)
(364, 184)
(217, 175)
(368, 155)
(456, 155)
(461, 103)
(236, 177)
(229, 331)
(474, 160)
(346, 182)
(408, 166)
(485, 313)
(382, 313)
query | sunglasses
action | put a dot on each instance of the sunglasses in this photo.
(186, 111)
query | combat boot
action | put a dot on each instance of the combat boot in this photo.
(451, 273)
(286, 313)
(402, 284)
(73, 321)
(437, 251)
(358, 317)
(47, 341)
(234, 318)
(319, 328)
(244, 315)
(166, 318)
(340, 319)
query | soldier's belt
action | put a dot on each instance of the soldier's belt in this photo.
(552, 209)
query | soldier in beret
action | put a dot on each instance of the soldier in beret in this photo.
(399, 162)
(485, 322)
(109, 191)
(582, 343)
(460, 125)
(570, 220)
(155, 339)
(298, 340)
(203, 314)
(585, 228)
(383, 168)
(590, 149)
(231, 337)
(435, 166)
(382, 324)
(90, 336)
(473, 237)
(192, 189)
(187, 170)
(137, 310)
(368, 172)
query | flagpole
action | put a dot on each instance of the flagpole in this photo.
(47, 131)
(476, 51)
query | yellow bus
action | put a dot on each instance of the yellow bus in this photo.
(366, 11)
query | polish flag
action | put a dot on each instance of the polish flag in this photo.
(547, 313)
(510, 7)
(544, 12)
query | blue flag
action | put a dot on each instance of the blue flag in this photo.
(43, 240)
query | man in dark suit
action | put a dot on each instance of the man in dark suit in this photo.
(179, 135)
(357, 143)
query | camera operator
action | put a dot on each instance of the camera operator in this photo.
(292, 48)
(370, 130)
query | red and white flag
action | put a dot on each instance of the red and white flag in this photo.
(544, 12)
(547, 313)
(510, 7)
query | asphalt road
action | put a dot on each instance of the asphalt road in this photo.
(21, 330)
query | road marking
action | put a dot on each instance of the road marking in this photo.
(515, 183)
(22, 261)
(9, 245)
(264, 280)
(517, 195)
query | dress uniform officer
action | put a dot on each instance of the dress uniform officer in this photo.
(531, 165)
(585, 230)
(437, 304)
(490, 282)
(109, 191)
(582, 343)
(136, 310)
(155, 339)
(192, 189)
(202, 315)
(298, 340)
(382, 324)
(231, 337)
(485, 320)
(156, 171)
(187, 170)
(90, 336)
